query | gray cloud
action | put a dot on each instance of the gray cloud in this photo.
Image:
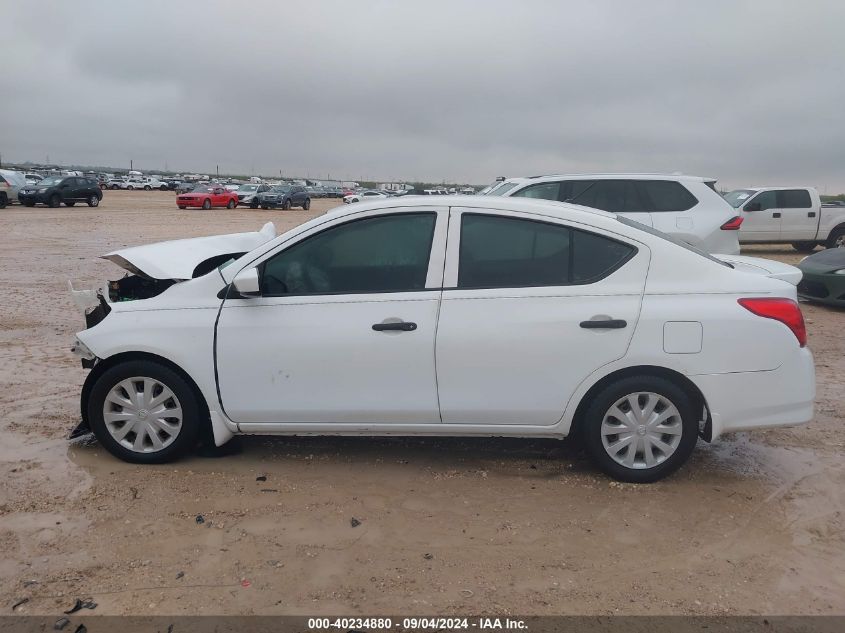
(749, 92)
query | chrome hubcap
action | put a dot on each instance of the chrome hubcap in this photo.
(641, 430)
(142, 414)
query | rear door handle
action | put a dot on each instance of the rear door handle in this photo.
(811, 214)
(775, 215)
(402, 326)
(605, 324)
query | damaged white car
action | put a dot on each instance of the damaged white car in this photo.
(461, 316)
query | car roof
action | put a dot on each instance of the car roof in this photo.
(610, 176)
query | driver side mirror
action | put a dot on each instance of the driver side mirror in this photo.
(246, 283)
(752, 206)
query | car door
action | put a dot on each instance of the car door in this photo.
(299, 196)
(616, 196)
(531, 306)
(219, 197)
(799, 220)
(761, 218)
(343, 330)
(67, 189)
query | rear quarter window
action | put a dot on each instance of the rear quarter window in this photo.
(667, 195)
(794, 199)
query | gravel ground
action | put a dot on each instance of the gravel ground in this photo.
(754, 524)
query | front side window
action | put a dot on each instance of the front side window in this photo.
(766, 200)
(616, 196)
(794, 199)
(380, 254)
(543, 191)
(667, 195)
(502, 252)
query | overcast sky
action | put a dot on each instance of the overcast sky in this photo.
(748, 92)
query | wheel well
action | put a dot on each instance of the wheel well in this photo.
(111, 361)
(671, 375)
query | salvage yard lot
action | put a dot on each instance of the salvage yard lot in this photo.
(753, 524)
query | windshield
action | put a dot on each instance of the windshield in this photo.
(502, 188)
(670, 238)
(738, 197)
(201, 189)
(248, 188)
(280, 189)
(49, 181)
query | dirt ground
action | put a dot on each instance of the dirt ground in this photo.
(752, 525)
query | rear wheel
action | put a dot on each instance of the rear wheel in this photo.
(836, 237)
(206, 204)
(286, 204)
(144, 412)
(55, 200)
(93, 200)
(181, 206)
(4, 200)
(264, 206)
(640, 429)
(147, 188)
(230, 204)
(307, 204)
(804, 247)
(113, 187)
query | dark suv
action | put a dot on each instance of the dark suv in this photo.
(54, 190)
(285, 196)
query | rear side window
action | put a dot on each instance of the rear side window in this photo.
(500, 252)
(616, 196)
(666, 195)
(794, 199)
(543, 191)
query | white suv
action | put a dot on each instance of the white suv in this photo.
(687, 207)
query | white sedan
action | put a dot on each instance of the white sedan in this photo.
(450, 316)
(364, 195)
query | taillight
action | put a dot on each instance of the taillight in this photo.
(733, 224)
(784, 310)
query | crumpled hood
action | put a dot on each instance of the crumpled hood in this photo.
(760, 266)
(177, 259)
(827, 261)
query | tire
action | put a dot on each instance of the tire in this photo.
(113, 187)
(836, 238)
(29, 203)
(804, 247)
(163, 188)
(264, 206)
(253, 205)
(4, 200)
(286, 204)
(181, 206)
(130, 188)
(147, 188)
(70, 203)
(93, 200)
(54, 201)
(307, 204)
(644, 389)
(230, 204)
(176, 434)
(206, 204)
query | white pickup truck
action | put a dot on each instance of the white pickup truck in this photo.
(792, 215)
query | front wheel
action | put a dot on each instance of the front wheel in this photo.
(3, 200)
(55, 201)
(113, 187)
(230, 204)
(144, 412)
(307, 204)
(804, 247)
(93, 201)
(640, 429)
(181, 206)
(286, 205)
(206, 204)
(147, 188)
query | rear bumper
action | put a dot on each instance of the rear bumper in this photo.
(823, 288)
(745, 401)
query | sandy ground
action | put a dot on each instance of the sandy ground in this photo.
(752, 525)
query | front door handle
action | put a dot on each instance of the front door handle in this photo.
(604, 324)
(811, 214)
(402, 326)
(775, 215)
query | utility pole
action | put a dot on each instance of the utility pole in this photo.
(218, 171)
(131, 168)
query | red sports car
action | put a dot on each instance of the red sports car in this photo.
(207, 196)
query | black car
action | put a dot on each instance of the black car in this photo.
(54, 190)
(285, 196)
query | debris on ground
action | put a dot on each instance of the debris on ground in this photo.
(354, 522)
(261, 478)
(19, 603)
(245, 583)
(428, 556)
(200, 519)
(81, 629)
(181, 574)
(81, 604)
(60, 624)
